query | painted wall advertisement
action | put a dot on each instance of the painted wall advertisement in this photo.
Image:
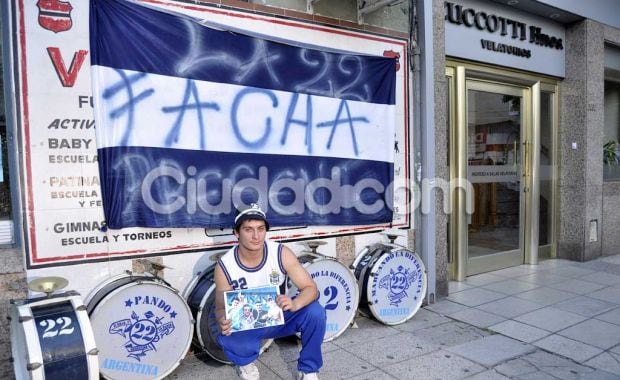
(55, 119)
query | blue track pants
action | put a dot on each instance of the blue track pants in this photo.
(243, 347)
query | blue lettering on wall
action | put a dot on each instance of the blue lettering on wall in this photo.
(242, 102)
(235, 124)
(304, 123)
(129, 107)
(163, 122)
(190, 90)
(348, 120)
(260, 57)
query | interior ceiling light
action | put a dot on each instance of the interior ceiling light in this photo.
(554, 15)
(513, 2)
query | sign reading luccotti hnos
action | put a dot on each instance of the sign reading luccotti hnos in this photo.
(497, 34)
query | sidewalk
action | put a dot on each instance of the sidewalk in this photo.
(556, 320)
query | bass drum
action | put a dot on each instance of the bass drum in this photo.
(142, 326)
(200, 295)
(392, 280)
(338, 292)
(52, 339)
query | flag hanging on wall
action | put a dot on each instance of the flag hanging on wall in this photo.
(193, 120)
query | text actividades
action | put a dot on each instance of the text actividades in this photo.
(507, 49)
(72, 124)
(140, 368)
(456, 14)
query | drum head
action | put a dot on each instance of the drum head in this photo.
(396, 286)
(338, 294)
(142, 329)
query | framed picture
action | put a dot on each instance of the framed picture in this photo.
(253, 308)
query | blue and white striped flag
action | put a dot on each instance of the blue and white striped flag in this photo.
(193, 120)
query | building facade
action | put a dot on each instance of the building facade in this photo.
(51, 222)
(531, 148)
(510, 139)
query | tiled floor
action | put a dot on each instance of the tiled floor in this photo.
(556, 320)
(564, 307)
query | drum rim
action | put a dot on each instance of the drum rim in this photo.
(374, 247)
(109, 281)
(185, 305)
(418, 303)
(30, 357)
(191, 285)
(359, 256)
(88, 335)
(374, 255)
(189, 288)
(203, 302)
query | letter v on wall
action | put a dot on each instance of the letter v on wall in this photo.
(67, 77)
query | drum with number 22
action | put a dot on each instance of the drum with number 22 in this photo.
(143, 327)
(392, 280)
(52, 339)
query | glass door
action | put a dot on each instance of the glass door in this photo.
(495, 125)
(502, 129)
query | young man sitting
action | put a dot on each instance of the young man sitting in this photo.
(255, 262)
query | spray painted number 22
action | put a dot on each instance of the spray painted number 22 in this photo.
(60, 326)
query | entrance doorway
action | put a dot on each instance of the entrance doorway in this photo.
(496, 119)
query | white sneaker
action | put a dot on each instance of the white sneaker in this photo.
(248, 372)
(308, 376)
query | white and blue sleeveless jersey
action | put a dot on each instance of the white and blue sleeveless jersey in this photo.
(270, 271)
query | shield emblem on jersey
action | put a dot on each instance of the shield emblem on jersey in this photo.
(55, 15)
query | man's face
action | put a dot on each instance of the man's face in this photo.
(251, 234)
(247, 311)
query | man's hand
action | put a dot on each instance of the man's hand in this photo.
(286, 303)
(225, 326)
